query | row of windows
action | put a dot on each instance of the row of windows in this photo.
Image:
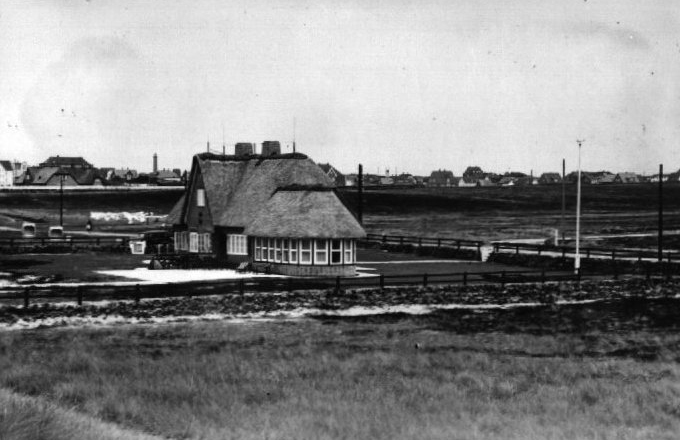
(193, 242)
(317, 252)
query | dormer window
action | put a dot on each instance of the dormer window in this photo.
(200, 197)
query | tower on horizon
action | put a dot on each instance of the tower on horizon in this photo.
(155, 163)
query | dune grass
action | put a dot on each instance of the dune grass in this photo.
(31, 418)
(381, 378)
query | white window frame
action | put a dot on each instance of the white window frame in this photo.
(318, 251)
(200, 197)
(193, 242)
(348, 251)
(177, 239)
(272, 244)
(293, 257)
(284, 251)
(277, 250)
(237, 244)
(334, 251)
(258, 249)
(265, 250)
(309, 251)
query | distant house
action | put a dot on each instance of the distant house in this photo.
(550, 179)
(441, 178)
(405, 179)
(66, 162)
(6, 173)
(332, 172)
(126, 174)
(279, 213)
(166, 178)
(485, 182)
(655, 178)
(626, 178)
(592, 177)
(507, 181)
(55, 176)
(604, 178)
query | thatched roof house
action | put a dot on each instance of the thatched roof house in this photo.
(280, 211)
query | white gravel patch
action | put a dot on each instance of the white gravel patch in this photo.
(180, 275)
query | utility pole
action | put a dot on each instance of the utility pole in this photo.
(660, 256)
(564, 201)
(360, 206)
(577, 260)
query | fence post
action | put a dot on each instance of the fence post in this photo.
(578, 276)
(669, 257)
(401, 239)
(384, 239)
(465, 278)
(517, 249)
(79, 295)
(138, 293)
(479, 250)
(424, 280)
(543, 276)
(290, 284)
(614, 254)
(26, 296)
(337, 284)
(241, 286)
(503, 279)
(587, 253)
(382, 281)
(439, 242)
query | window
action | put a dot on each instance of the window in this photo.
(265, 250)
(336, 251)
(293, 251)
(177, 240)
(204, 243)
(305, 251)
(320, 251)
(272, 244)
(193, 242)
(277, 250)
(349, 254)
(284, 251)
(237, 244)
(258, 249)
(200, 197)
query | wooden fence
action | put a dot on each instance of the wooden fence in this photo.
(424, 241)
(97, 292)
(14, 244)
(586, 252)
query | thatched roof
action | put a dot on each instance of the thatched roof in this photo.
(175, 215)
(237, 190)
(285, 194)
(298, 213)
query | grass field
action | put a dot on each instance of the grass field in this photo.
(473, 213)
(389, 377)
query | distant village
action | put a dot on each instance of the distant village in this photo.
(76, 171)
(71, 171)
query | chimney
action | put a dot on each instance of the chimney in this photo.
(244, 149)
(155, 163)
(271, 148)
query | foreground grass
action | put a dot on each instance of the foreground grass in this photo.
(375, 377)
(30, 418)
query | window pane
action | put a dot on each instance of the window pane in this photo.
(200, 197)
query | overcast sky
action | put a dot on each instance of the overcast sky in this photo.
(405, 85)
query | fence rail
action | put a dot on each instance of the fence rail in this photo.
(587, 252)
(423, 241)
(42, 241)
(136, 292)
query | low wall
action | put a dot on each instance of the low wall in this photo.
(306, 271)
